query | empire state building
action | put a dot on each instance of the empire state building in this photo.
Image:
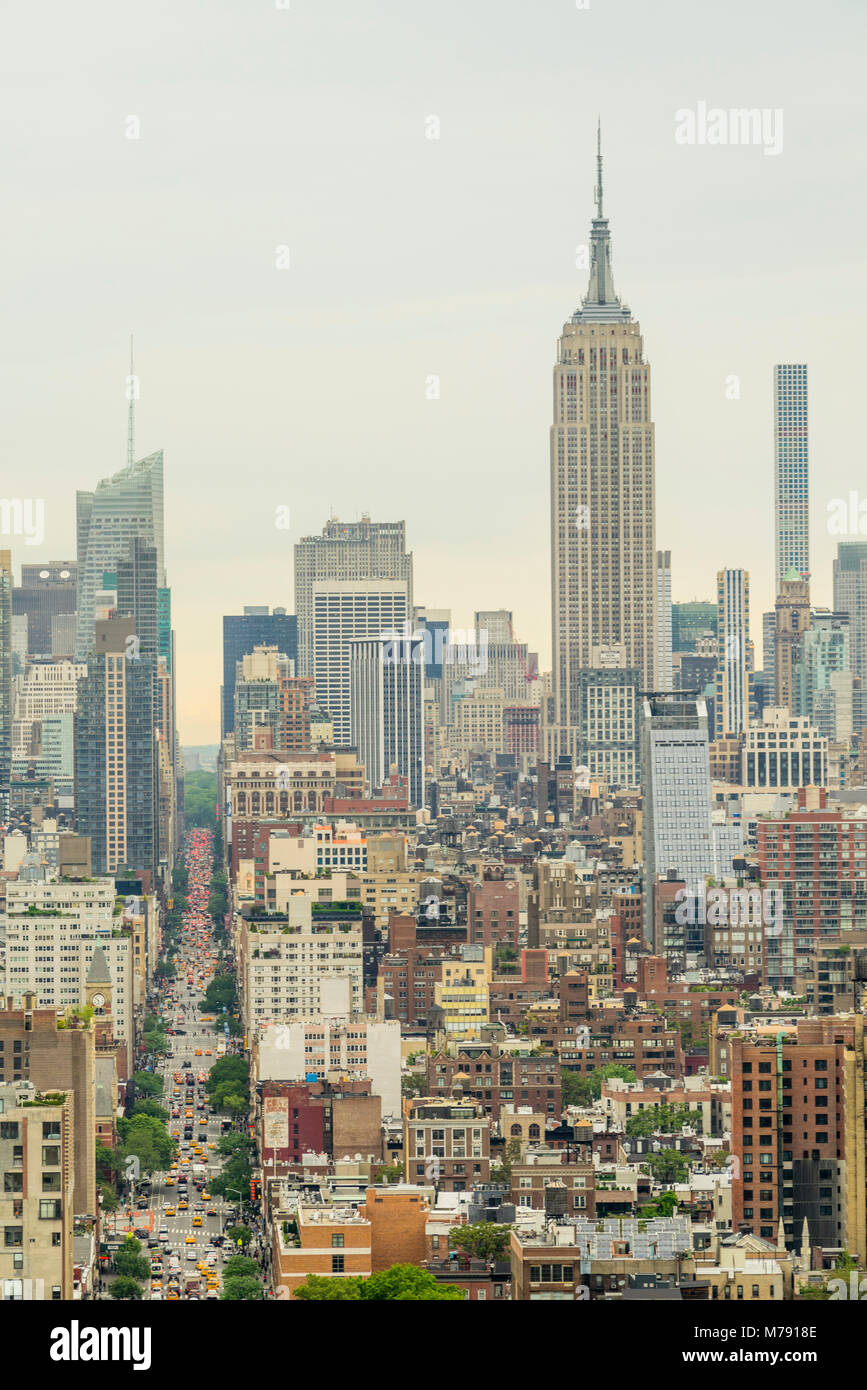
(603, 557)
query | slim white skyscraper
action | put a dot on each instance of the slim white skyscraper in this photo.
(664, 663)
(344, 611)
(732, 708)
(791, 467)
(386, 694)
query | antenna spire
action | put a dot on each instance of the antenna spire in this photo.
(599, 167)
(130, 437)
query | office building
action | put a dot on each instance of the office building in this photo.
(783, 753)
(343, 611)
(346, 552)
(732, 709)
(256, 626)
(792, 620)
(46, 594)
(675, 775)
(127, 506)
(386, 694)
(603, 552)
(116, 774)
(608, 745)
(269, 696)
(664, 675)
(850, 596)
(791, 470)
(137, 590)
(6, 701)
(690, 622)
(823, 684)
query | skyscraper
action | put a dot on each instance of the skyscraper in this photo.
(386, 693)
(362, 550)
(344, 610)
(6, 705)
(46, 592)
(732, 710)
(792, 621)
(116, 783)
(123, 507)
(664, 667)
(268, 695)
(850, 596)
(255, 627)
(675, 776)
(136, 572)
(603, 555)
(791, 473)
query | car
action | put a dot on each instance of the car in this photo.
(208, 1052)
(170, 1211)
(156, 1295)
(172, 1296)
(191, 1257)
(170, 1182)
(197, 1221)
(156, 1284)
(212, 1211)
(206, 1196)
(186, 1065)
(183, 1206)
(142, 1204)
(141, 1233)
(189, 1240)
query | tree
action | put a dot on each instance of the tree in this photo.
(483, 1239)
(110, 1200)
(240, 1266)
(610, 1069)
(575, 1089)
(221, 991)
(319, 1290)
(150, 1107)
(200, 798)
(662, 1119)
(389, 1172)
(147, 1085)
(107, 1162)
(502, 1172)
(235, 1025)
(413, 1085)
(125, 1287)
(237, 1234)
(129, 1260)
(235, 1143)
(814, 1293)
(149, 1140)
(242, 1290)
(408, 1283)
(669, 1165)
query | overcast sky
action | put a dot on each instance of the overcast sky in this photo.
(261, 128)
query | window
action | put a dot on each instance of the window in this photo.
(51, 1155)
(337, 1264)
(13, 1236)
(55, 1237)
(337, 1241)
(49, 1210)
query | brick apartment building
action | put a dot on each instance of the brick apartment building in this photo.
(447, 1143)
(798, 1132)
(493, 1077)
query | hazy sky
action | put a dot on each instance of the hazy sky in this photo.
(304, 387)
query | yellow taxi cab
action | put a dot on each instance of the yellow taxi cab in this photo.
(156, 1283)
(189, 1113)
(206, 1196)
(185, 1163)
(198, 1052)
(201, 1266)
(211, 1144)
(189, 1240)
(170, 1211)
(172, 1297)
(207, 1018)
(203, 1120)
(208, 1052)
(170, 1182)
(173, 1167)
(197, 1221)
(182, 1205)
(175, 1133)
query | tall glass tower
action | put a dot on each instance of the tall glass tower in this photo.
(123, 507)
(791, 484)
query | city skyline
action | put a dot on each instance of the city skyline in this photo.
(701, 233)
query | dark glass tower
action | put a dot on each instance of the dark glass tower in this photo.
(255, 627)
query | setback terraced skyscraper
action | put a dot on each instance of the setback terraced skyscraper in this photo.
(603, 552)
